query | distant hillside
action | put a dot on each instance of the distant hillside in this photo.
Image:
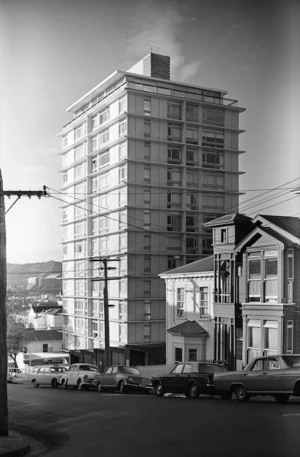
(17, 274)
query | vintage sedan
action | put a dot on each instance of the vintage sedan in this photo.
(80, 376)
(189, 378)
(47, 375)
(276, 375)
(122, 379)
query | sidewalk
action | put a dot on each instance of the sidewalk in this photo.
(14, 445)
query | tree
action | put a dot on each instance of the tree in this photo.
(3, 346)
(16, 338)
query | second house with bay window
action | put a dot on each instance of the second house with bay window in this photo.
(257, 286)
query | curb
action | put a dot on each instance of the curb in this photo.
(14, 445)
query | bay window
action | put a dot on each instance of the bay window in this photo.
(271, 278)
(254, 279)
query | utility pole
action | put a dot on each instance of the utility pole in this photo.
(105, 268)
(3, 287)
(3, 322)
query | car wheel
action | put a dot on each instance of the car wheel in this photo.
(121, 387)
(282, 398)
(80, 385)
(226, 395)
(54, 383)
(241, 394)
(99, 386)
(159, 390)
(35, 383)
(193, 391)
(65, 385)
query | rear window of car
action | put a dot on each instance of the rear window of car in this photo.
(209, 369)
(87, 368)
(292, 361)
(129, 370)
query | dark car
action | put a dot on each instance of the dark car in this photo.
(276, 375)
(189, 378)
(122, 379)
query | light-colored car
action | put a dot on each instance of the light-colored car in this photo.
(47, 375)
(122, 379)
(276, 375)
(12, 373)
(80, 376)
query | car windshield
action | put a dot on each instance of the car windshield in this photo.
(209, 369)
(129, 370)
(292, 361)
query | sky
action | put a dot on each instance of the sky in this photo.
(54, 51)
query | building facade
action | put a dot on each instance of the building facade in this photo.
(145, 162)
(257, 295)
(190, 321)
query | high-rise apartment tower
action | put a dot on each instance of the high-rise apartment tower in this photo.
(145, 162)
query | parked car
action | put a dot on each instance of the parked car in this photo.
(80, 376)
(276, 375)
(47, 375)
(189, 378)
(122, 379)
(12, 373)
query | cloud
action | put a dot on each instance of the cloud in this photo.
(157, 26)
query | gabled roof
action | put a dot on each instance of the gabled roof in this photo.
(52, 311)
(257, 233)
(202, 265)
(229, 219)
(188, 328)
(288, 224)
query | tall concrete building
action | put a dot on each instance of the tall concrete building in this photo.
(145, 162)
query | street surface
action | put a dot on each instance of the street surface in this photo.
(91, 424)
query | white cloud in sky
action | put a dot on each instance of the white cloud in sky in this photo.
(159, 33)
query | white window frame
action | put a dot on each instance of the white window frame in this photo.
(180, 305)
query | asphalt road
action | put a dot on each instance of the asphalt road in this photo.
(91, 424)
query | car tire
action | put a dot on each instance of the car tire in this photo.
(54, 383)
(193, 391)
(159, 390)
(99, 387)
(35, 383)
(226, 395)
(282, 398)
(65, 385)
(80, 385)
(241, 394)
(121, 387)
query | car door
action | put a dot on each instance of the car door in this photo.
(72, 375)
(47, 376)
(106, 377)
(253, 378)
(114, 377)
(183, 378)
(275, 376)
(173, 381)
(39, 375)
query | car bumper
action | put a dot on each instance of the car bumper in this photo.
(88, 382)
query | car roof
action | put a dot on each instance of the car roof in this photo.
(275, 355)
(202, 363)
